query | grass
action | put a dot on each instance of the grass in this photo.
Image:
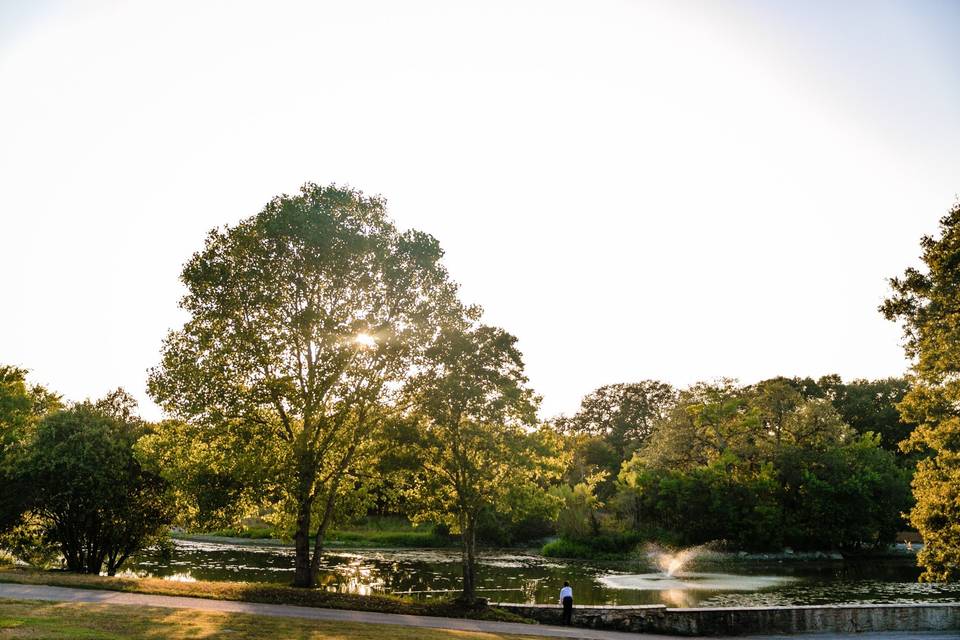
(372, 532)
(70, 621)
(257, 592)
(608, 546)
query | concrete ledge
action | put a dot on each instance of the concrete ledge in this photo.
(753, 620)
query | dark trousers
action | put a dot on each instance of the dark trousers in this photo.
(567, 610)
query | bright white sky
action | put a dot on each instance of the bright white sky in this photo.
(668, 190)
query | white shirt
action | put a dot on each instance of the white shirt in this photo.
(566, 592)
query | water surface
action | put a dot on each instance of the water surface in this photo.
(512, 576)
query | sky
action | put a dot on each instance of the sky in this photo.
(636, 190)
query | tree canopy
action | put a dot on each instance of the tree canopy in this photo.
(924, 302)
(622, 414)
(473, 410)
(303, 320)
(85, 489)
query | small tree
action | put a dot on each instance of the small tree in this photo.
(88, 490)
(577, 519)
(473, 407)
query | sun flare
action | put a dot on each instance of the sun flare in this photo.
(365, 340)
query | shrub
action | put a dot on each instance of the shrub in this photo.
(88, 493)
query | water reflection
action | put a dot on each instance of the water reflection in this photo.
(522, 577)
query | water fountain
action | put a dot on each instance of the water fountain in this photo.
(673, 579)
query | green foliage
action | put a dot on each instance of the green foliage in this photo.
(303, 320)
(212, 480)
(21, 407)
(762, 467)
(870, 406)
(725, 500)
(470, 445)
(925, 304)
(563, 548)
(88, 493)
(857, 487)
(27, 543)
(623, 415)
(610, 545)
(421, 537)
(577, 519)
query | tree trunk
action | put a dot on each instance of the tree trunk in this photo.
(468, 538)
(322, 530)
(302, 576)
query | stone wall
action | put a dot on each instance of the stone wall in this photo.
(745, 620)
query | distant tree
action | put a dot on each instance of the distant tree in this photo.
(725, 499)
(852, 483)
(925, 303)
(760, 467)
(590, 457)
(871, 406)
(302, 321)
(708, 420)
(91, 496)
(775, 401)
(474, 450)
(865, 405)
(622, 414)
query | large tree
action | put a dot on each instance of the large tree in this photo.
(927, 304)
(473, 412)
(302, 320)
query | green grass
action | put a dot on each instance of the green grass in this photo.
(72, 621)
(374, 531)
(563, 548)
(258, 592)
(253, 533)
(610, 546)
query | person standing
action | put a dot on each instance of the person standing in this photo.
(566, 599)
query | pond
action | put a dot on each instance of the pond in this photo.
(517, 576)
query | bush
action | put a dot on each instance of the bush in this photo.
(563, 548)
(88, 493)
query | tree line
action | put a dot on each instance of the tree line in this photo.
(328, 365)
(765, 466)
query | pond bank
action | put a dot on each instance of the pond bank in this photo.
(895, 551)
(344, 541)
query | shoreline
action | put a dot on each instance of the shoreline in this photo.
(897, 551)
